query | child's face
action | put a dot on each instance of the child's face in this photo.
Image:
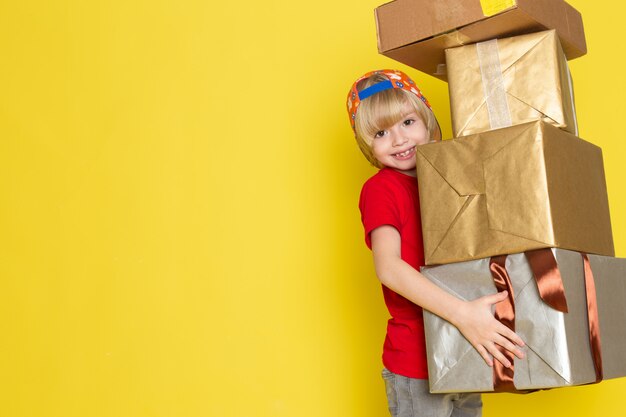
(395, 146)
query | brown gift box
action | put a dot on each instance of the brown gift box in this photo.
(557, 348)
(510, 190)
(510, 81)
(416, 32)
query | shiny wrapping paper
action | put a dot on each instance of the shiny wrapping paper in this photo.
(557, 344)
(510, 190)
(510, 81)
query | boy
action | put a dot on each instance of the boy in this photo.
(390, 118)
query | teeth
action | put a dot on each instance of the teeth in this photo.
(405, 153)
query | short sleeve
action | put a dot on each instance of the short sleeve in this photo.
(379, 206)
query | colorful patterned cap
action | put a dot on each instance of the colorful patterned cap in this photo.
(397, 79)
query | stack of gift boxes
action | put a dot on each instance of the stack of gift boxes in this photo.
(516, 184)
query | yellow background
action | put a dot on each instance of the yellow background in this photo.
(179, 233)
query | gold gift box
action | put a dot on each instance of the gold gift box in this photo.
(510, 190)
(510, 81)
(558, 352)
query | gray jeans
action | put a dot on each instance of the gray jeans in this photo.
(409, 397)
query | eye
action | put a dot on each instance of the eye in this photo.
(379, 134)
(408, 122)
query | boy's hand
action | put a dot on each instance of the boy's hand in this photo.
(476, 321)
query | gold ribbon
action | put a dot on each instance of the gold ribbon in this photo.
(493, 84)
(550, 285)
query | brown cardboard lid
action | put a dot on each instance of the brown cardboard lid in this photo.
(415, 32)
(407, 21)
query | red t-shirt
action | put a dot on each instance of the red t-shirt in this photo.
(391, 198)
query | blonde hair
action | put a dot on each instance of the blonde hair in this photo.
(384, 109)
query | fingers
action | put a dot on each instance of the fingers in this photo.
(503, 330)
(497, 355)
(496, 298)
(491, 347)
(512, 336)
(491, 352)
(506, 343)
(485, 355)
(489, 336)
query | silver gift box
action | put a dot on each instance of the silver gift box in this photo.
(557, 349)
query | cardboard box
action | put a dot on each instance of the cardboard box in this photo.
(416, 32)
(510, 81)
(511, 190)
(558, 351)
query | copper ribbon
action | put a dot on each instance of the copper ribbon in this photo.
(505, 313)
(594, 321)
(550, 285)
(549, 281)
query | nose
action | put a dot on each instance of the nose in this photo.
(397, 137)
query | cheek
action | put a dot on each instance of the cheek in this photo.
(377, 148)
(421, 132)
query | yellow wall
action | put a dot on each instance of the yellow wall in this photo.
(179, 233)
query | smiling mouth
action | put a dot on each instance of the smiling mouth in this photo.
(405, 154)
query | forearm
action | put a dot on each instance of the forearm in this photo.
(405, 280)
